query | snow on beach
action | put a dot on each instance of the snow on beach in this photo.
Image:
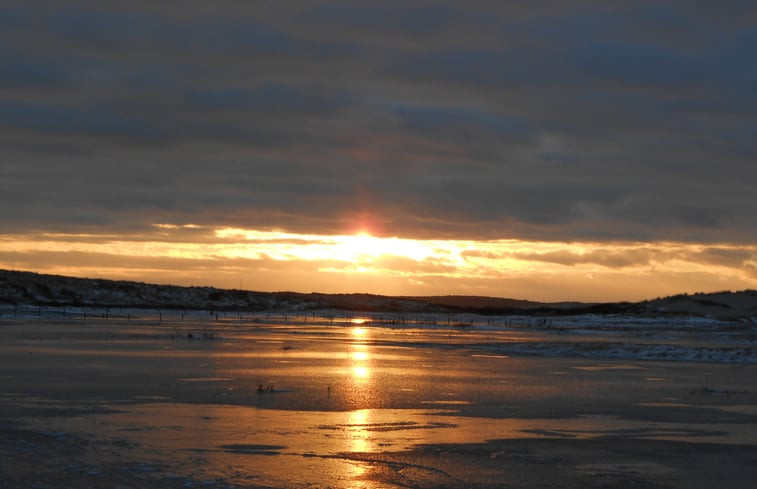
(627, 337)
(703, 327)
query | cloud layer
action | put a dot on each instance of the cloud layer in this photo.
(535, 120)
(544, 270)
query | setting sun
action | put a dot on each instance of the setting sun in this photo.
(278, 260)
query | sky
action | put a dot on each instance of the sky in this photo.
(549, 150)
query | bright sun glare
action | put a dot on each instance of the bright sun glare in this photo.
(354, 248)
(362, 262)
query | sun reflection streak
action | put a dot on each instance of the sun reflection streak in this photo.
(360, 366)
(359, 439)
(359, 332)
(359, 356)
(360, 372)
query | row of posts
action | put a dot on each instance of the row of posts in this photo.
(399, 319)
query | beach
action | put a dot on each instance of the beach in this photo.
(162, 400)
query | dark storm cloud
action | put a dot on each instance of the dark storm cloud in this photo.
(594, 120)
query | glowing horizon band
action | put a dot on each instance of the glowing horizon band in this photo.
(173, 248)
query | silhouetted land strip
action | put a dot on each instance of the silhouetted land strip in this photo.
(28, 288)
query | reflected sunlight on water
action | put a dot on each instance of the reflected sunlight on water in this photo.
(343, 402)
(359, 439)
(360, 372)
(360, 360)
(359, 332)
(359, 356)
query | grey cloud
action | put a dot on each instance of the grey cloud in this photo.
(269, 97)
(380, 17)
(94, 121)
(128, 31)
(728, 257)
(732, 257)
(611, 259)
(45, 259)
(481, 254)
(21, 73)
(496, 119)
(461, 123)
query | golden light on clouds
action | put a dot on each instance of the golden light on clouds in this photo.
(360, 249)
(277, 260)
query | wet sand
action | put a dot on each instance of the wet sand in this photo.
(140, 404)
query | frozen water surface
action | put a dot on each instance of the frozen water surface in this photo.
(325, 402)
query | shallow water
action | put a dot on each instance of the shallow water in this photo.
(303, 405)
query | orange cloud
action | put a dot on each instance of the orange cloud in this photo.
(278, 260)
